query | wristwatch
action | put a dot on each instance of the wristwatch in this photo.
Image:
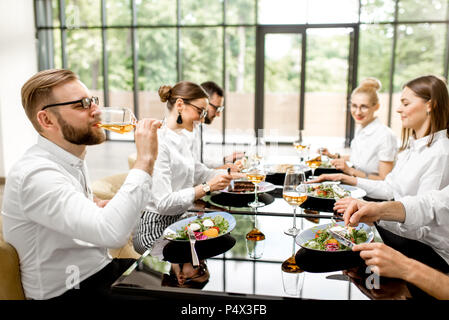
(206, 188)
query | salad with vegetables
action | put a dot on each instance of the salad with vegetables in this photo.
(203, 228)
(327, 191)
(326, 164)
(324, 241)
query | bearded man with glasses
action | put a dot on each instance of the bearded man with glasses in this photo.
(60, 232)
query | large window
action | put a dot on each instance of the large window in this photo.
(123, 50)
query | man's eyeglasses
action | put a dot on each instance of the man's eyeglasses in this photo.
(202, 112)
(85, 102)
(217, 108)
(362, 108)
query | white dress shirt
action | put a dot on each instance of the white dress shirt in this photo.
(418, 169)
(60, 234)
(371, 144)
(427, 220)
(176, 173)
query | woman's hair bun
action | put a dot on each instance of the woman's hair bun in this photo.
(164, 93)
(371, 83)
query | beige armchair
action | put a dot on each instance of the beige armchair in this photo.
(105, 189)
(10, 280)
(131, 160)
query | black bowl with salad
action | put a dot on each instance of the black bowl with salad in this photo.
(321, 252)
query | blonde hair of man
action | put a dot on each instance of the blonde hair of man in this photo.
(37, 91)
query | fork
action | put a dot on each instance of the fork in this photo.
(192, 240)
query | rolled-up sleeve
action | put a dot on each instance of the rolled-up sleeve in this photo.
(204, 174)
(432, 207)
(378, 189)
(388, 148)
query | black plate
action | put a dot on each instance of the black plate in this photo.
(179, 252)
(239, 200)
(321, 261)
(319, 171)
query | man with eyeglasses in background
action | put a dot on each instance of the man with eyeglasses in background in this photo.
(60, 232)
(214, 109)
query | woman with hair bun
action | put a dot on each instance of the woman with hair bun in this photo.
(374, 147)
(178, 179)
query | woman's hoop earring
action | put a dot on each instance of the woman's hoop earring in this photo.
(179, 119)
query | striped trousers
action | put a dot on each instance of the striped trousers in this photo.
(150, 228)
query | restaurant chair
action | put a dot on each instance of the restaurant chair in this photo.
(10, 280)
(105, 189)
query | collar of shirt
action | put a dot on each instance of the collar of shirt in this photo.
(66, 158)
(60, 153)
(419, 144)
(177, 138)
(369, 129)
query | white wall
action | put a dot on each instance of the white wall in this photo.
(18, 62)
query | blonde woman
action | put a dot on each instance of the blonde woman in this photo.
(374, 147)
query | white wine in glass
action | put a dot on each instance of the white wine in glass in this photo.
(294, 193)
(117, 119)
(256, 176)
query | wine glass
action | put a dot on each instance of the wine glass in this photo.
(314, 163)
(292, 275)
(255, 241)
(295, 194)
(256, 175)
(117, 119)
(257, 151)
(302, 149)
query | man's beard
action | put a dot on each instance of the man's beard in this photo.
(86, 137)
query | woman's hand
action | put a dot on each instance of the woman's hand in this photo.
(232, 166)
(324, 152)
(359, 211)
(341, 205)
(352, 181)
(384, 260)
(340, 164)
(219, 182)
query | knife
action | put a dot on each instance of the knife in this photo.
(192, 240)
(340, 238)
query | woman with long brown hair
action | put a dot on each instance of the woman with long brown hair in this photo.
(423, 160)
(178, 178)
(422, 166)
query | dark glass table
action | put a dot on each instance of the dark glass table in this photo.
(234, 275)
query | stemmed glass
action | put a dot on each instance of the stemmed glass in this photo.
(295, 193)
(255, 241)
(302, 149)
(256, 175)
(292, 275)
(257, 151)
(117, 119)
(314, 163)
